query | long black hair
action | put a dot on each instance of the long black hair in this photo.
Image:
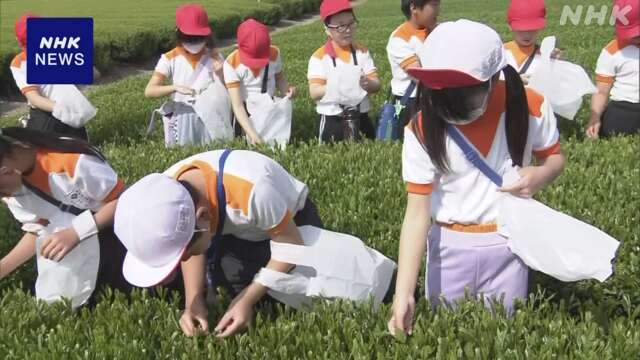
(10, 136)
(438, 105)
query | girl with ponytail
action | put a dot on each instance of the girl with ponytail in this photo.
(64, 193)
(471, 119)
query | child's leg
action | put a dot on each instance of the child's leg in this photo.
(451, 266)
(331, 128)
(366, 126)
(503, 277)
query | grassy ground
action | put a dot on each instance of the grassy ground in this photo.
(359, 190)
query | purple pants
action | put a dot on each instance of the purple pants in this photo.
(479, 263)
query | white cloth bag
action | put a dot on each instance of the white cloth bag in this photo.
(271, 118)
(561, 82)
(74, 277)
(213, 107)
(71, 106)
(554, 243)
(329, 265)
(343, 86)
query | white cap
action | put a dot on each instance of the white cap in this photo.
(155, 220)
(458, 54)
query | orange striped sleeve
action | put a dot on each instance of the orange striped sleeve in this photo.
(279, 229)
(232, 85)
(411, 60)
(420, 189)
(115, 193)
(317, 81)
(160, 75)
(605, 79)
(545, 153)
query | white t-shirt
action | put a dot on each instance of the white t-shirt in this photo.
(404, 44)
(517, 56)
(465, 195)
(619, 64)
(83, 181)
(238, 75)
(19, 70)
(262, 197)
(321, 65)
(179, 65)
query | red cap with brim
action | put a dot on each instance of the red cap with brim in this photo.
(527, 15)
(441, 79)
(631, 29)
(254, 44)
(332, 7)
(21, 29)
(192, 19)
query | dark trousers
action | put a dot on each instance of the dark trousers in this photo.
(238, 261)
(44, 121)
(332, 128)
(407, 113)
(112, 254)
(620, 118)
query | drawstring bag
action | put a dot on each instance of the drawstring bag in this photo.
(271, 118)
(74, 277)
(545, 239)
(213, 107)
(181, 121)
(71, 106)
(561, 82)
(389, 122)
(328, 265)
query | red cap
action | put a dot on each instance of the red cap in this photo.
(21, 29)
(254, 44)
(332, 7)
(192, 19)
(628, 23)
(526, 15)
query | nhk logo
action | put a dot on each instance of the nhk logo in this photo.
(60, 50)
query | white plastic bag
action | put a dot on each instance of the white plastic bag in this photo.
(561, 82)
(329, 265)
(74, 277)
(271, 118)
(213, 107)
(71, 106)
(343, 86)
(555, 243)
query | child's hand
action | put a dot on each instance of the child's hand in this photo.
(404, 307)
(291, 93)
(364, 82)
(236, 319)
(531, 181)
(593, 128)
(58, 245)
(195, 315)
(184, 90)
(557, 54)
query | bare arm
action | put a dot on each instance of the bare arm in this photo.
(39, 101)
(241, 115)
(317, 91)
(599, 102)
(21, 253)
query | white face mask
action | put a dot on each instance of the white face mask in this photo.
(474, 114)
(194, 48)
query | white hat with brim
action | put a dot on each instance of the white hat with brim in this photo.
(459, 54)
(155, 220)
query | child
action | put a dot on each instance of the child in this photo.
(526, 19)
(403, 47)
(254, 68)
(194, 58)
(48, 180)
(166, 220)
(341, 75)
(460, 89)
(618, 78)
(42, 109)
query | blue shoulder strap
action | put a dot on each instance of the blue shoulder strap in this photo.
(472, 155)
(407, 93)
(221, 198)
